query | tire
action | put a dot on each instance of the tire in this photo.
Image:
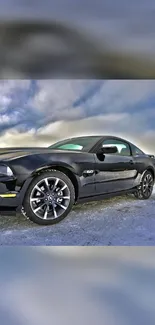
(54, 192)
(146, 187)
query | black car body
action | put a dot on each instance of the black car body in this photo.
(104, 165)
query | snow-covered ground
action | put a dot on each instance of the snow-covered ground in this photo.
(117, 221)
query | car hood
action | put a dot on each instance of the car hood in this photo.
(16, 152)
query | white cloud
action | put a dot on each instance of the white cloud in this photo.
(7, 88)
(4, 101)
(56, 94)
(56, 97)
(121, 95)
(4, 119)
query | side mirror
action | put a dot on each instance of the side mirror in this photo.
(107, 150)
(151, 156)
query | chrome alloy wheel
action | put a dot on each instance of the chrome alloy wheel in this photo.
(49, 198)
(147, 185)
(145, 189)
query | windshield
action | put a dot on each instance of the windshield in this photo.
(77, 144)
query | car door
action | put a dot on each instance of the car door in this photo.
(115, 172)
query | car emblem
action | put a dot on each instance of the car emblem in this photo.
(88, 172)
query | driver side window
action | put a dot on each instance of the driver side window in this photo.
(123, 149)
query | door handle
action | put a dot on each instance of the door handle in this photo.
(131, 162)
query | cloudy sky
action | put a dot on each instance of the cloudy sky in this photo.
(39, 112)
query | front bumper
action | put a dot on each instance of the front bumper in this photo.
(11, 195)
(9, 199)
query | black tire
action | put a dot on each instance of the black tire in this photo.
(28, 205)
(145, 189)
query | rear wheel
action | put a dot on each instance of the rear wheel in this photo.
(146, 187)
(49, 198)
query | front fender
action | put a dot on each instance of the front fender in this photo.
(54, 164)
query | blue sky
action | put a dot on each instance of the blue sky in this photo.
(42, 111)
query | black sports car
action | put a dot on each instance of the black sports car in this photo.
(44, 183)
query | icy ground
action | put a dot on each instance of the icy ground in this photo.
(117, 221)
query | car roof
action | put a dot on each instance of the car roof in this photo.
(98, 136)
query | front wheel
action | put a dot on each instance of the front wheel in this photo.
(49, 198)
(145, 189)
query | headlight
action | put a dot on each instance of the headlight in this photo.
(5, 171)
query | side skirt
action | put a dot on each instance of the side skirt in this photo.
(104, 196)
